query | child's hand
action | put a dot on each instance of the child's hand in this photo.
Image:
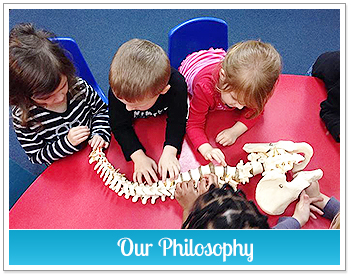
(313, 192)
(226, 137)
(98, 142)
(186, 194)
(303, 208)
(210, 179)
(169, 163)
(211, 154)
(144, 167)
(78, 134)
(217, 155)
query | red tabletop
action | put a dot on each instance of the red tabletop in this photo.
(70, 195)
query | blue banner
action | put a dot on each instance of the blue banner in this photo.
(174, 247)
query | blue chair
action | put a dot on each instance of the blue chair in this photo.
(22, 171)
(81, 65)
(196, 34)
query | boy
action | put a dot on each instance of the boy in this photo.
(142, 83)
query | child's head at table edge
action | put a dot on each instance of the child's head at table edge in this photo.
(139, 73)
(248, 75)
(224, 208)
(37, 67)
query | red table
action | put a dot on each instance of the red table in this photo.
(70, 195)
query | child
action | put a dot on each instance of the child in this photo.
(241, 80)
(208, 206)
(53, 111)
(142, 84)
(327, 68)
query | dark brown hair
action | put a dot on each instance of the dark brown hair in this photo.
(224, 208)
(36, 67)
(139, 69)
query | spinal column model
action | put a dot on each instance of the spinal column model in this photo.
(273, 160)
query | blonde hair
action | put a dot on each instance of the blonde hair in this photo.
(139, 69)
(335, 224)
(251, 70)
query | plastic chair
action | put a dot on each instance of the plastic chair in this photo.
(81, 65)
(196, 34)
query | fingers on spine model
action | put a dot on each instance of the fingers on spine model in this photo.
(272, 160)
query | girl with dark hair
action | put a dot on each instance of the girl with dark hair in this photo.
(210, 207)
(53, 111)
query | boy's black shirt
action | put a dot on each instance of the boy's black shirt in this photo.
(174, 103)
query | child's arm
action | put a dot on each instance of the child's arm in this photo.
(199, 108)
(301, 214)
(177, 97)
(176, 124)
(122, 128)
(168, 163)
(201, 102)
(186, 194)
(228, 136)
(121, 122)
(304, 207)
(330, 206)
(249, 122)
(331, 117)
(100, 127)
(40, 152)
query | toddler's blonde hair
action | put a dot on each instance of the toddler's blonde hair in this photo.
(335, 224)
(251, 70)
(139, 69)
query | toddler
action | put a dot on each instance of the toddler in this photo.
(53, 111)
(143, 84)
(241, 80)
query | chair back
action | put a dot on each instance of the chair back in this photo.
(196, 34)
(79, 62)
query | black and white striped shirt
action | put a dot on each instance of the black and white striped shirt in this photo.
(47, 141)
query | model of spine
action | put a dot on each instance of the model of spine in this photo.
(270, 159)
(122, 186)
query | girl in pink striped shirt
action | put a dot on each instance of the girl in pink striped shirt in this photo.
(241, 80)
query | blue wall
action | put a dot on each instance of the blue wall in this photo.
(299, 35)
